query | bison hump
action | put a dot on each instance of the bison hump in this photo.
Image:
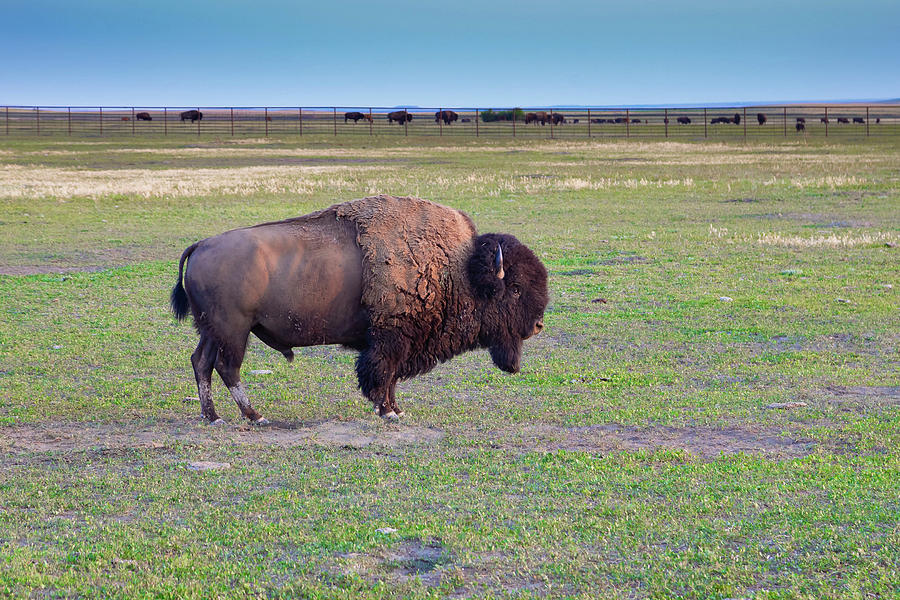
(414, 256)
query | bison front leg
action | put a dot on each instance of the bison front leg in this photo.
(376, 369)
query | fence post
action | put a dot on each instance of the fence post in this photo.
(705, 121)
(784, 120)
(370, 121)
(69, 119)
(101, 120)
(666, 122)
(165, 121)
(37, 112)
(405, 122)
(441, 120)
(627, 123)
(198, 121)
(826, 121)
(231, 111)
(514, 124)
(476, 122)
(589, 123)
(551, 124)
(132, 120)
(266, 117)
(745, 123)
(7, 120)
(867, 121)
(300, 116)
(334, 118)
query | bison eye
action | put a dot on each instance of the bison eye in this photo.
(516, 290)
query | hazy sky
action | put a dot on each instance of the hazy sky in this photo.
(494, 53)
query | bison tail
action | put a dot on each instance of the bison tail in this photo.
(179, 299)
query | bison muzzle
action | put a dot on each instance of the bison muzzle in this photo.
(405, 282)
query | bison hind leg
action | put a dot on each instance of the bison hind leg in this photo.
(203, 359)
(228, 365)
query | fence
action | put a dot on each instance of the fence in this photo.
(757, 123)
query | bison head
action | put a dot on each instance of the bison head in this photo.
(510, 288)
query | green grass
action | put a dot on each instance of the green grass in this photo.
(633, 457)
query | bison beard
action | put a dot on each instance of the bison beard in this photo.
(406, 282)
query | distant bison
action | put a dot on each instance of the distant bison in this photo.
(448, 116)
(143, 116)
(717, 120)
(126, 118)
(405, 282)
(635, 120)
(761, 118)
(843, 120)
(193, 115)
(684, 121)
(801, 120)
(354, 116)
(736, 119)
(800, 126)
(859, 120)
(401, 116)
(824, 120)
(557, 119)
(534, 117)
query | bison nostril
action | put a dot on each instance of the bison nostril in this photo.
(538, 326)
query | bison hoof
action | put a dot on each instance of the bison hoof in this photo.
(390, 416)
(218, 422)
(260, 422)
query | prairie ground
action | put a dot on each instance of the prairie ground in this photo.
(713, 409)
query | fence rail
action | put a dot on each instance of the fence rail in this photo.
(750, 122)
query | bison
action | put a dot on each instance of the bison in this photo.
(736, 119)
(843, 120)
(193, 115)
(143, 116)
(761, 118)
(448, 116)
(859, 120)
(824, 120)
(401, 116)
(558, 119)
(534, 117)
(801, 120)
(354, 116)
(800, 126)
(405, 282)
(684, 120)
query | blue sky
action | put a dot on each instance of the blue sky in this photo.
(465, 53)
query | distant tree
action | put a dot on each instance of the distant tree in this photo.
(490, 115)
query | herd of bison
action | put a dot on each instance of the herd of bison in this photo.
(402, 117)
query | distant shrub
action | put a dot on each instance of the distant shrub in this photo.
(490, 115)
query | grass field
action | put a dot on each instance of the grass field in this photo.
(640, 453)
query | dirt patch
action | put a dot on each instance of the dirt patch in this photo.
(703, 442)
(869, 396)
(45, 270)
(409, 559)
(74, 437)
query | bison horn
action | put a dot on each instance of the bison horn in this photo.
(498, 263)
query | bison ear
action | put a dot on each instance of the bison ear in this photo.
(485, 268)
